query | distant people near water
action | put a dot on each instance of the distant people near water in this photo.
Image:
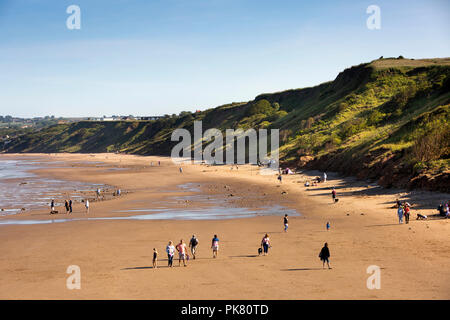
(86, 204)
(400, 214)
(66, 205)
(333, 195)
(170, 249)
(285, 222)
(324, 256)
(182, 254)
(98, 192)
(280, 178)
(324, 177)
(215, 246)
(70, 205)
(193, 243)
(155, 258)
(181, 170)
(119, 192)
(265, 244)
(328, 225)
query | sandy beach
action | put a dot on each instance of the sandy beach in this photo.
(115, 256)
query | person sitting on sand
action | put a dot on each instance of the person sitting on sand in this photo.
(155, 258)
(265, 243)
(181, 248)
(215, 245)
(170, 249)
(193, 243)
(324, 255)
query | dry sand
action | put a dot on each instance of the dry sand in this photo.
(115, 256)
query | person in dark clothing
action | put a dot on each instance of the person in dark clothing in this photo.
(333, 195)
(52, 207)
(324, 255)
(66, 205)
(70, 205)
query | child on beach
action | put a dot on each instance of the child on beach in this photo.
(400, 214)
(286, 222)
(181, 248)
(170, 249)
(155, 258)
(324, 256)
(280, 178)
(406, 213)
(215, 245)
(333, 195)
(328, 226)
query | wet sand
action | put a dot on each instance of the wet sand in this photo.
(115, 255)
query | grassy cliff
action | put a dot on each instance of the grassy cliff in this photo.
(386, 120)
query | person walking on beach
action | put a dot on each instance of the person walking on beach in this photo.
(328, 226)
(52, 206)
(155, 258)
(406, 213)
(324, 256)
(181, 248)
(87, 206)
(286, 222)
(333, 195)
(280, 178)
(70, 205)
(215, 245)
(400, 214)
(193, 245)
(66, 205)
(170, 249)
(265, 243)
(181, 170)
(324, 177)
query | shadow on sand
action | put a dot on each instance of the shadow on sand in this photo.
(302, 269)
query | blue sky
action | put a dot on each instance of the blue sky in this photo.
(152, 57)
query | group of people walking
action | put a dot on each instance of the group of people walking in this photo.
(68, 206)
(182, 250)
(183, 255)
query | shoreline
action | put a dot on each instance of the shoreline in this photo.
(115, 256)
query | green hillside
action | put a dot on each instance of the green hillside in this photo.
(385, 120)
